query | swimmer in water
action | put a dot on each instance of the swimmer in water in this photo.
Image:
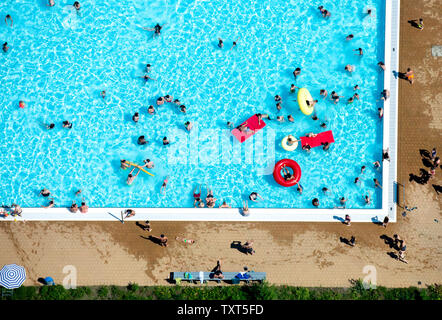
(299, 188)
(362, 169)
(335, 97)
(51, 3)
(177, 102)
(280, 119)
(360, 52)
(160, 101)
(326, 146)
(245, 208)
(290, 118)
(45, 192)
(349, 68)
(381, 65)
(50, 126)
(234, 44)
(67, 124)
(220, 43)
(323, 93)
(156, 29)
(311, 103)
(21, 104)
(356, 87)
(350, 100)
(131, 177)
(229, 124)
(278, 98)
(148, 164)
(5, 47)
(8, 18)
(297, 72)
(146, 78)
(183, 108)
(124, 164)
(188, 125)
(151, 109)
(136, 117)
(103, 94)
(349, 37)
(293, 88)
(164, 185)
(369, 12)
(142, 141)
(165, 141)
(77, 5)
(356, 95)
(278, 106)
(168, 98)
(50, 205)
(148, 68)
(380, 113)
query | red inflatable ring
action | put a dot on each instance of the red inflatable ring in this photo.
(289, 163)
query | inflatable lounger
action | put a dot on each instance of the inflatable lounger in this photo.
(252, 128)
(326, 136)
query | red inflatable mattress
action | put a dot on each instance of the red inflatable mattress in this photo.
(322, 137)
(252, 128)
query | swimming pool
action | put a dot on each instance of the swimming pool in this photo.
(59, 62)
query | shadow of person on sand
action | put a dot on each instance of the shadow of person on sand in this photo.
(437, 188)
(345, 241)
(387, 240)
(425, 153)
(153, 239)
(427, 163)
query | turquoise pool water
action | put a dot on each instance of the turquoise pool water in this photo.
(59, 62)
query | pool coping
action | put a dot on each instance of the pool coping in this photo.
(389, 172)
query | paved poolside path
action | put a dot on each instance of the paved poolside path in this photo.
(305, 254)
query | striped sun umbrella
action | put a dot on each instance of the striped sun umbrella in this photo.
(12, 276)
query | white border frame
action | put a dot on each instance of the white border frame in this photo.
(391, 51)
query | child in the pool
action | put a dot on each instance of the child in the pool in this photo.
(349, 37)
(164, 185)
(323, 93)
(360, 52)
(67, 124)
(183, 108)
(131, 177)
(77, 5)
(8, 17)
(5, 47)
(151, 109)
(160, 101)
(136, 117)
(220, 43)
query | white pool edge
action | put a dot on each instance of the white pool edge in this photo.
(389, 172)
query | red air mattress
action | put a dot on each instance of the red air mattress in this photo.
(322, 137)
(252, 128)
(289, 163)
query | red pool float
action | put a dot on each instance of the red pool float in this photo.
(289, 163)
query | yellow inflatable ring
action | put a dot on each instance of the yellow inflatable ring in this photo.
(288, 147)
(303, 96)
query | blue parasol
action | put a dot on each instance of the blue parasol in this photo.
(12, 276)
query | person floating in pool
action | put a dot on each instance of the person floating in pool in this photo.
(103, 94)
(359, 50)
(45, 192)
(376, 183)
(349, 37)
(183, 108)
(230, 124)
(324, 12)
(290, 118)
(293, 88)
(160, 101)
(306, 147)
(325, 146)
(377, 165)
(8, 18)
(148, 164)
(356, 87)
(297, 72)
(380, 113)
(299, 188)
(286, 174)
(335, 97)
(136, 117)
(124, 165)
(234, 44)
(5, 47)
(356, 96)
(131, 177)
(188, 125)
(311, 103)
(165, 141)
(325, 190)
(349, 68)
(315, 202)
(67, 124)
(363, 169)
(350, 100)
(148, 68)
(311, 135)
(278, 106)
(164, 185)
(381, 65)
(280, 119)
(77, 5)
(151, 109)
(51, 3)
(323, 93)
(50, 205)
(314, 116)
(50, 126)
(385, 94)
(21, 104)
(367, 199)
(156, 29)
(168, 98)
(369, 11)
(357, 180)
(254, 196)
(291, 140)
(343, 201)
(177, 102)
(142, 140)
(220, 43)
(146, 78)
